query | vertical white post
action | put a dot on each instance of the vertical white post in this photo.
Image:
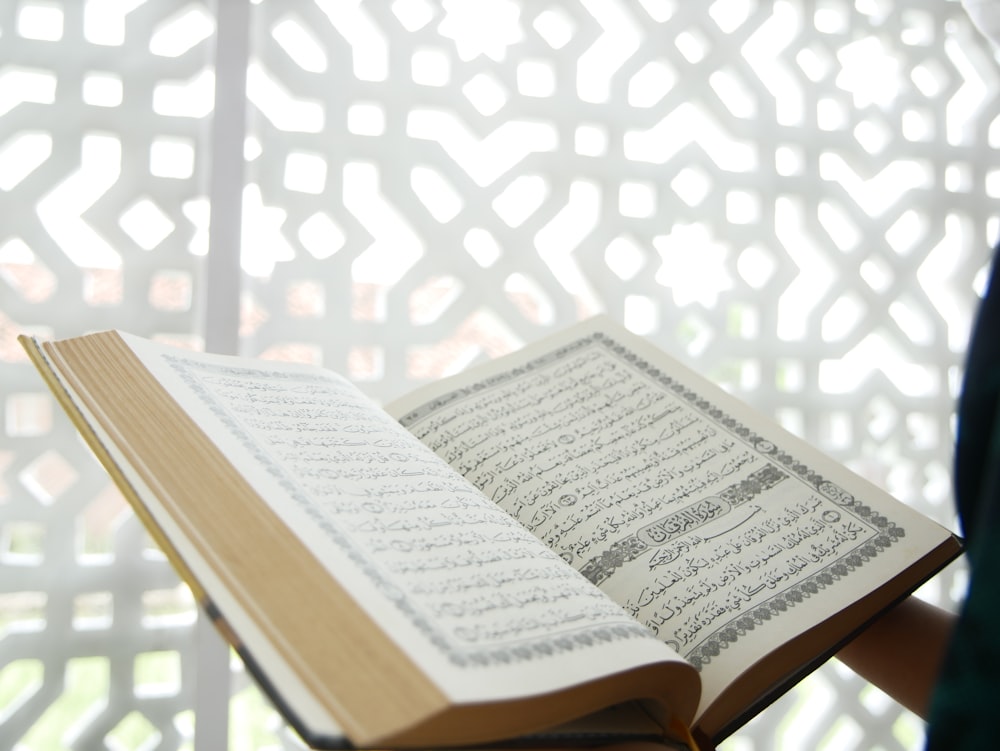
(221, 310)
(221, 290)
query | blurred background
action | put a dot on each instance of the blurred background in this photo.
(795, 197)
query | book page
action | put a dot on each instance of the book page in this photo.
(442, 569)
(719, 531)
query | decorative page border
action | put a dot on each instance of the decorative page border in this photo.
(781, 465)
(460, 655)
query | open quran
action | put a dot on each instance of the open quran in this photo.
(580, 542)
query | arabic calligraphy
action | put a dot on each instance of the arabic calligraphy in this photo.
(461, 569)
(669, 505)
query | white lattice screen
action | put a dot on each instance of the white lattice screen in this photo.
(793, 196)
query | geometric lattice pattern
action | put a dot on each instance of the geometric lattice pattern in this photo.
(794, 196)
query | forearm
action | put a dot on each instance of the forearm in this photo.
(901, 652)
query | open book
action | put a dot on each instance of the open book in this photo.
(580, 541)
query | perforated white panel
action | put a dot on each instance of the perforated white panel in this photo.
(793, 196)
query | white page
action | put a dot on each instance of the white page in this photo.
(443, 570)
(722, 533)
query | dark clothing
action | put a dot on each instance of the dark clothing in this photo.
(966, 702)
